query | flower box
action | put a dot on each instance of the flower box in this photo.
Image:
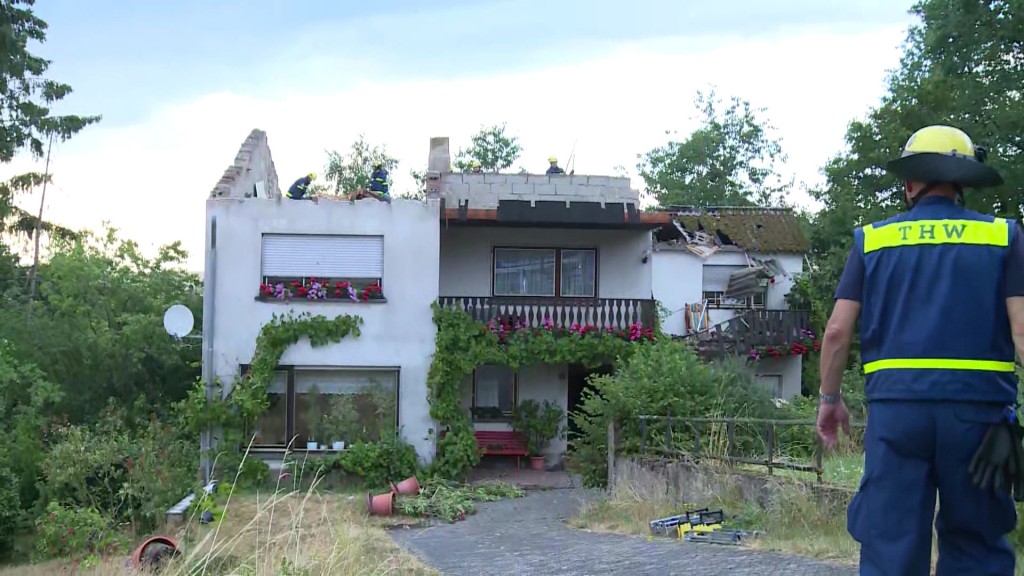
(320, 290)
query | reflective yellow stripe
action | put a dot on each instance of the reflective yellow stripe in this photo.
(918, 232)
(937, 364)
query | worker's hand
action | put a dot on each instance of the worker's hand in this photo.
(830, 418)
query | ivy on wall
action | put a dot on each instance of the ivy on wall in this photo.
(247, 399)
(462, 344)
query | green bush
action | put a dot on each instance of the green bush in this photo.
(127, 475)
(80, 534)
(667, 379)
(10, 510)
(391, 459)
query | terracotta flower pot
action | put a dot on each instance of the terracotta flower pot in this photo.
(154, 552)
(408, 487)
(381, 504)
(537, 462)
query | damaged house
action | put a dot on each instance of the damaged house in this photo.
(723, 275)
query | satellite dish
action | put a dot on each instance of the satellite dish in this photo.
(178, 321)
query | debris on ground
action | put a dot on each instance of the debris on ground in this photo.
(451, 501)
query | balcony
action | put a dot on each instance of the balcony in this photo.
(615, 313)
(753, 329)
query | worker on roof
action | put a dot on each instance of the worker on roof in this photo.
(300, 188)
(939, 293)
(379, 186)
(554, 168)
(474, 166)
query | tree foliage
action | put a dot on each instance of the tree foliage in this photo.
(963, 65)
(26, 120)
(347, 172)
(493, 147)
(731, 159)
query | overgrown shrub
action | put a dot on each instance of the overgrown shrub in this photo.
(71, 533)
(390, 459)
(10, 510)
(665, 378)
(126, 475)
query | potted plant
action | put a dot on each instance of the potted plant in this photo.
(314, 416)
(341, 421)
(540, 423)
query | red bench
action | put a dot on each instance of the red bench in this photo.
(501, 443)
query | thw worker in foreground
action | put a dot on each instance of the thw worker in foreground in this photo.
(939, 292)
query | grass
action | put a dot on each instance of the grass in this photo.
(793, 520)
(281, 534)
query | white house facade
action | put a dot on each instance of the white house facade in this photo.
(563, 249)
(694, 259)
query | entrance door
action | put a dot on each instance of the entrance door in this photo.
(577, 382)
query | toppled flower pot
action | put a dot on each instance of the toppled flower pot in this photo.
(408, 487)
(381, 504)
(154, 553)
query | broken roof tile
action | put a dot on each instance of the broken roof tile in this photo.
(751, 229)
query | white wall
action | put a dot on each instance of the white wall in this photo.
(677, 278)
(467, 267)
(791, 370)
(396, 333)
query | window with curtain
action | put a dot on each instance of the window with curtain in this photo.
(494, 392)
(545, 272)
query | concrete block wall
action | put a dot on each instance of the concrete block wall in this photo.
(252, 164)
(484, 190)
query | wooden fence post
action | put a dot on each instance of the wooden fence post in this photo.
(611, 455)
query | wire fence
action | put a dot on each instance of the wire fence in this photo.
(773, 444)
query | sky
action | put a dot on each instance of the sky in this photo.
(181, 84)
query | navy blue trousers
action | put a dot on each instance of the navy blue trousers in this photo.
(911, 451)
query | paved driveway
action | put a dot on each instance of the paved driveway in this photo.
(529, 536)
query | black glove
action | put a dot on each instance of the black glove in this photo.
(999, 461)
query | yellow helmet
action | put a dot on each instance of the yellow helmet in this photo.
(312, 175)
(474, 163)
(553, 159)
(944, 154)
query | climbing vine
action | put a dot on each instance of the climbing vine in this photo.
(462, 344)
(247, 399)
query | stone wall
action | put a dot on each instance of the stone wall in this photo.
(253, 165)
(484, 190)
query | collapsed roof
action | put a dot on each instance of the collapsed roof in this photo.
(763, 230)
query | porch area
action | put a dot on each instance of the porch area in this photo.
(536, 312)
(492, 395)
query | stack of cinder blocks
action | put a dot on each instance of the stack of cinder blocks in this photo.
(484, 190)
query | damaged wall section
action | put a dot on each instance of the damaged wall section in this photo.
(252, 174)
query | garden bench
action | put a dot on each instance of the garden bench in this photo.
(501, 443)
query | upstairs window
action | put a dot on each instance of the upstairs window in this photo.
(545, 272)
(321, 266)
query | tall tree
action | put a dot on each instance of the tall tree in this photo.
(492, 147)
(963, 65)
(352, 170)
(26, 120)
(731, 159)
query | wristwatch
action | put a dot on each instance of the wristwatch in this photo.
(829, 398)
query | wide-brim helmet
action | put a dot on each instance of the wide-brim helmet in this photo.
(944, 154)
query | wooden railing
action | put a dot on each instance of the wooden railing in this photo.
(616, 313)
(754, 329)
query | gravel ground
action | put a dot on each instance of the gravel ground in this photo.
(530, 536)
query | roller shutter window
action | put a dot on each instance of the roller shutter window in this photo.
(308, 255)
